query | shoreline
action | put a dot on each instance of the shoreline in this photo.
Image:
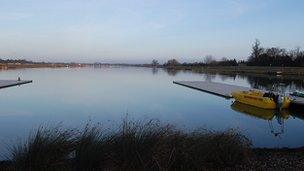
(258, 159)
(8, 66)
(138, 145)
(261, 158)
(257, 70)
(261, 70)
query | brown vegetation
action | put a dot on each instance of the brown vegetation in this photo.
(134, 146)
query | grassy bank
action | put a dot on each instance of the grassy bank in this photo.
(133, 146)
(143, 146)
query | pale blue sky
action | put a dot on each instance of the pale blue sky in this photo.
(140, 30)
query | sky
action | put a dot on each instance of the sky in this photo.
(137, 31)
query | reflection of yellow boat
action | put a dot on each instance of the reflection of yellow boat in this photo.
(260, 99)
(266, 114)
(261, 113)
(253, 111)
(285, 113)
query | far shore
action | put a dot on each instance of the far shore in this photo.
(263, 70)
(242, 70)
(6, 66)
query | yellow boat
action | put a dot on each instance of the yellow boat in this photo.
(260, 99)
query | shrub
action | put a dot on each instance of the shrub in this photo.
(46, 149)
(92, 149)
(133, 146)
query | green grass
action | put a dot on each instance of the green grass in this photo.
(133, 146)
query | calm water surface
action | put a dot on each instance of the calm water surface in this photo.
(74, 96)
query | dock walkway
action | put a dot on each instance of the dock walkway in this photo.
(298, 100)
(10, 83)
(219, 89)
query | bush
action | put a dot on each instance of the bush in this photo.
(134, 146)
(47, 149)
(92, 149)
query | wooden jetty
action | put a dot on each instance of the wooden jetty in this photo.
(297, 105)
(298, 100)
(10, 83)
(225, 90)
(219, 89)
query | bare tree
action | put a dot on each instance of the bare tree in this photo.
(154, 63)
(295, 53)
(172, 62)
(208, 59)
(224, 59)
(256, 49)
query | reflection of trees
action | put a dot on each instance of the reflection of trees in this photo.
(210, 77)
(264, 82)
(172, 72)
(267, 82)
(154, 70)
(224, 77)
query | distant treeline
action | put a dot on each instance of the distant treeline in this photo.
(24, 61)
(275, 56)
(260, 56)
(21, 61)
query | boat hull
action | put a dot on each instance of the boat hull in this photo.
(257, 99)
(252, 100)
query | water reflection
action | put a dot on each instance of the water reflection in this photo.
(266, 82)
(258, 81)
(172, 72)
(210, 77)
(227, 77)
(154, 70)
(274, 118)
(107, 93)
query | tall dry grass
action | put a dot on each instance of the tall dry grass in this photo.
(134, 146)
(46, 149)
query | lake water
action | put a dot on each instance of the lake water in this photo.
(75, 96)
